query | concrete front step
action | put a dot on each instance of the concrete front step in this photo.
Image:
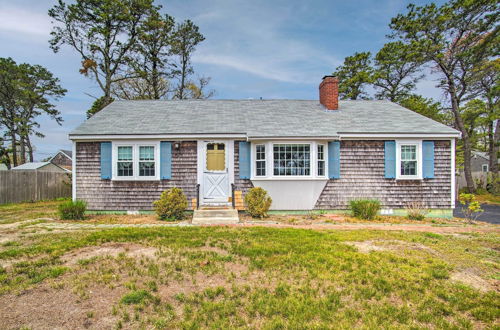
(220, 216)
(216, 213)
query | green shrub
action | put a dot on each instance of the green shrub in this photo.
(72, 210)
(471, 207)
(171, 205)
(258, 202)
(365, 209)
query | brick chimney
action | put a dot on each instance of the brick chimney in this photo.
(329, 92)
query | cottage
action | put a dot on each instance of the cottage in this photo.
(307, 154)
(63, 158)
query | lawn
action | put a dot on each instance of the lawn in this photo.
(488, 199)
(10, 213)
(233, 277)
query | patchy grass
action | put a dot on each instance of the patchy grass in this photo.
(488, 199)
(48, 209)
(226, 277)
(136, 297)
(10, 213)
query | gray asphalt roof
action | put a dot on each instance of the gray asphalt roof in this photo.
(68, 153)
(256, 118)
(31, 166)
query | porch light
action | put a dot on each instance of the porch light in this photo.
(177, 146)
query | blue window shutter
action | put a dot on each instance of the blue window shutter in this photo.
(165, 160)
(244, 160)
(428, 159)
(390, 159)
(334, 160)
(106, 160)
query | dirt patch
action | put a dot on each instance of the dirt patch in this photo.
(388, 245)
(346, 218)
(122, 218)
(236, 274)
(49, 308)
(109, 249)
(469, 277)
(128, 219)
(367, 246)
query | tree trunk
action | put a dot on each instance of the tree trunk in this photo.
(14, 147)
(30, 148)
(156, 93)
(183, 78)
(467, 165)
(465, 138)
(23, 149)
(494, 149)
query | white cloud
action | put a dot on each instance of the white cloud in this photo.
(25, 22)
(252, 37)
(275, 70)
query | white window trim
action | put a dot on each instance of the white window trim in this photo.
(418, 144)
(135, 160)
(270, 160)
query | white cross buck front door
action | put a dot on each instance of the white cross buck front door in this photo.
(215, 186)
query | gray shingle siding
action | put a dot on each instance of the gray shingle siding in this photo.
(362, 176)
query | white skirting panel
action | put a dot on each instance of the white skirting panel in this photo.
(292, 194)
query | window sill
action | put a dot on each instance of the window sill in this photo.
(409, 179)
(292, 178)
(136, 179)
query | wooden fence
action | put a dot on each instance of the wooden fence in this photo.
(19, 186)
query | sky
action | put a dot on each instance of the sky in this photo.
(274, 49)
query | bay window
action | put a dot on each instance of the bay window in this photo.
(288, 160)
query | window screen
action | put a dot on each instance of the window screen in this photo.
(216, 157)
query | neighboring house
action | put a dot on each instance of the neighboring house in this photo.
(40, 166)
(63, 159)
(480, 162)
(479, 167)
(307, 154)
